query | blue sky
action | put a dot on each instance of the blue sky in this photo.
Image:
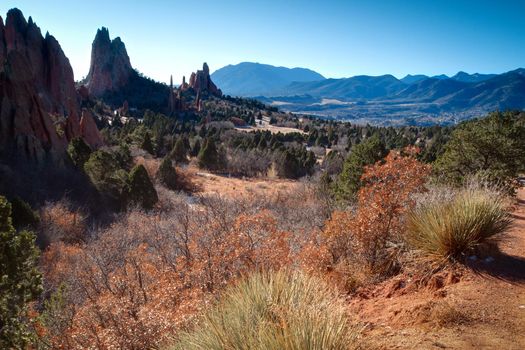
(335, 38)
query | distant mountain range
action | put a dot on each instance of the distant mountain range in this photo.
(253, 79)
(377, 98)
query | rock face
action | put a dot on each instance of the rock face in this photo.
(176, 101)
(110, 68)
(39, 105)
(89, 129)
(201, 82)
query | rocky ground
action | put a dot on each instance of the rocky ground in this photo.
(481, 306)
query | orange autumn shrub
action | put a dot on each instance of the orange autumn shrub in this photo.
(59, 222)
(145, 277)
(383, 202)
(366, 241)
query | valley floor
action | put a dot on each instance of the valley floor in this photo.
(481, 308)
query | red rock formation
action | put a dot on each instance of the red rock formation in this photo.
(39, 105)
(201, 82)
(89, 130)
(175, 102)
(110, 67)
(83, 92)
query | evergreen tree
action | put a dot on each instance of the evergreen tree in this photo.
(202, 131)
(287, 165)
(209, 156)
(140, 188)
(179, 153)
(147, 144)
(196, 148)
(168, 174)
(492, 147)
(20, 281)
(366, 153)
(22, 214)
(79, 151)
(107, 176)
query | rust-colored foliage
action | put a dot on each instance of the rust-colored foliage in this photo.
(368, 236)
(146, 277)
(58, 222)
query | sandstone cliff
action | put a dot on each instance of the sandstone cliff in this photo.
(39, 105)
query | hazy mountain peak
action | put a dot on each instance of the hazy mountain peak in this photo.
(253, 79)
(472, 78)
(412, 79)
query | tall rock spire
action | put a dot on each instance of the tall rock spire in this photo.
(201, 82)
(40, 109)
(110, 67)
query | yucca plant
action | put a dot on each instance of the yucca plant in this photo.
(453, 229)
(285, 311)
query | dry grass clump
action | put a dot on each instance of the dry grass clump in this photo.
(274, 311)
(454, 228)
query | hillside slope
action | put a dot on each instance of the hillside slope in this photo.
(482, 308)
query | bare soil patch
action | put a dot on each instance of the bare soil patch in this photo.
(481, 307)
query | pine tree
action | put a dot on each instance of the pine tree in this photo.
(140, 188)
(366, 153)
(105, 173)
(22, 214)
(79, 151)
(168, 174)
(147, 144)
(20, 281)
(287, 165)
(179, 153)
(196, 148)
(209, 156)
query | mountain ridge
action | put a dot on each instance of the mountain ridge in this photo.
(250, 79)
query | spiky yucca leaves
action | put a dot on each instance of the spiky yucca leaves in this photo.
(451, 230)
(286, 311)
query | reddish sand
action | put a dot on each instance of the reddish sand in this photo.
(484, 309)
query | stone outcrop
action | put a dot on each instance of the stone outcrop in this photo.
(110, 68)
(89, 130)
(201, 82)
(39, 105)
(176, 100)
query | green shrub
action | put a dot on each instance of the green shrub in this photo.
(492, 148)
(20, 281)
(196, 149)
(140, 188)
(147, 144)
(209, 157)
(23, 215)
(167, 175)
(274, 311)
(361, 155)
(106, 175)
(454, 228)
(79, 152)
(179, 153)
